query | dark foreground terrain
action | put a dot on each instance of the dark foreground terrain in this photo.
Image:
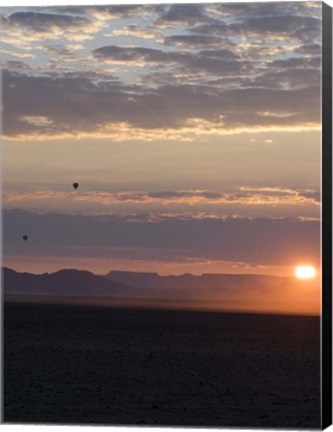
(81, 364)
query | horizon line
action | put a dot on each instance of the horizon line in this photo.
(3, 267)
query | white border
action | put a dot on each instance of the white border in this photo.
(57, 428)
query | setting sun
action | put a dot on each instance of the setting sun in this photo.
(305, 272)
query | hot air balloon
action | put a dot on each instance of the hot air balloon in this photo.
(25, 237)
(75, 185)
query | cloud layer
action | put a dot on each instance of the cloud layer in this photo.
(245, 195)
(180, 71)
(280, 242)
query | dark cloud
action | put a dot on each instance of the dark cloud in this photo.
(286, 24)
(76, 104)
(303, 28)
(297, 62)
(137, 54)
(65, 101)
(215, 27)
(42, 22)
(262, 99)
(221, 61)
(58, 50)
(262, 9)
(104, 11)
(292, 78)
(194, 41)
(310, 50)
(219, 54)
(218, 65)
(256, 241)
(121, 11)
(16, 65)
(308, 35)
(182, 14)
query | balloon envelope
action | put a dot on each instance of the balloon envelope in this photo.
(75, 185)
(25, 237)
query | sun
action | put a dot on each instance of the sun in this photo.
(305, 272)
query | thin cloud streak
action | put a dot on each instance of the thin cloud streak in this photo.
(246, 195)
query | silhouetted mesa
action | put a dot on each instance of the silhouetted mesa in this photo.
(258, 293)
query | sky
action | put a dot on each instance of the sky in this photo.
(194, 131)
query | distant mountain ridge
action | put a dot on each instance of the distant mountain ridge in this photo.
(207, 291)
(187, 280)
(63, 283)
(70, 282)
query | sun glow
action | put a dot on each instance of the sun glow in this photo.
(305, 272)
